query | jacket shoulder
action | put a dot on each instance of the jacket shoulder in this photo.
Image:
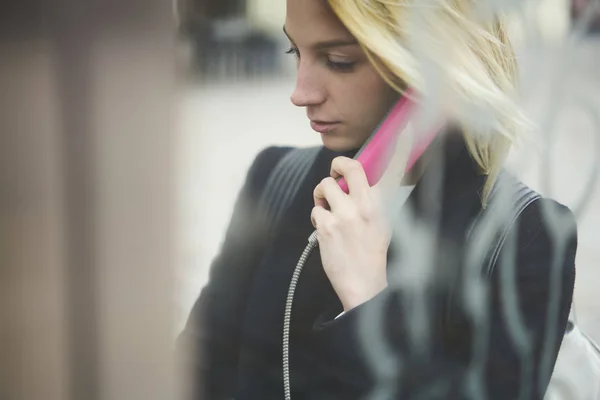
(261, 167)
(550, 218)
(270, 158)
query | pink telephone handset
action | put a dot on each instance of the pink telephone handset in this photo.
(377, 152)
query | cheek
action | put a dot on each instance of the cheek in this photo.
(363, 97)
(371, 101)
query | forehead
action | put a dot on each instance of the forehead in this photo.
(311, 21)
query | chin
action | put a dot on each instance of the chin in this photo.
(339, 143)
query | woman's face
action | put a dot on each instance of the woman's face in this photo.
(344, 96)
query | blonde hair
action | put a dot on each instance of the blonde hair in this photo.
(445, 50)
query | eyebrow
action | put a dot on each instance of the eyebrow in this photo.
(327, 44)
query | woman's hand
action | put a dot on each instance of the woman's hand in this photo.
(353, 233)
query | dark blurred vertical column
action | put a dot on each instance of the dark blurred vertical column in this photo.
(71, 34)
(33, 329)
(86, 184)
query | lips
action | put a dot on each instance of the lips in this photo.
(323, 126)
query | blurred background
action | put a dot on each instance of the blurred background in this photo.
(115, 120)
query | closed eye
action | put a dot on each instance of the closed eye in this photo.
(337, 66)
(345, 66)
(294, 51)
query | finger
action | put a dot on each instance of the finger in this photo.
(318, 216)
(355, 176)
(328, 193)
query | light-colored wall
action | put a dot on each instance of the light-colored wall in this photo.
(268, 14)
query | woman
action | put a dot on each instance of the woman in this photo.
(355, 57)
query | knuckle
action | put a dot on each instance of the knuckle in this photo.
(314, 217)
(317, 191)
(344, 163)
(354, 164)
(320, 188)
(328, 180)
(325, 182)
(328, 227)
(349, 214)
(367, 211)
(338, 160)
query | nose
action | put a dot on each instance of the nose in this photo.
(309, 91)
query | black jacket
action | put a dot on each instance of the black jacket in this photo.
(234, 333)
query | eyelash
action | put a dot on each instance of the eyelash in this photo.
(293, 51)
(336, 66)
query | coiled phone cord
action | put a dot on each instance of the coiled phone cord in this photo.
(287, 318)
